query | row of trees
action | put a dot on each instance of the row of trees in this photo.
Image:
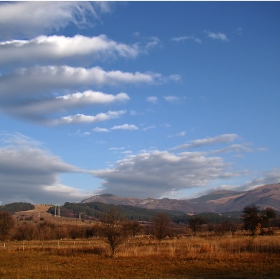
(16, 207)
(115, 229)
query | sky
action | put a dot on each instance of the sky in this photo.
(137, 99)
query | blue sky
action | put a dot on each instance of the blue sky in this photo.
(137, 99)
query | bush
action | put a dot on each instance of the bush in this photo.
(24, 232)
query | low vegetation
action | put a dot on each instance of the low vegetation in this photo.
(187, 257)
(115, 247)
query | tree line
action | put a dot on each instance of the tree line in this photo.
(115, 228)
(16, 207)
(95, 210)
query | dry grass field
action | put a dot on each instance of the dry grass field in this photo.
(188, 257)
(40, 212)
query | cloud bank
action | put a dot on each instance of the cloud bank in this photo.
(158, 173)
(30, 173)
(32, 93)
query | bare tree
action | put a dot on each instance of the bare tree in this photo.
(253, 218)
(112, 228)
(162, 226)
(268, 214)
(6, 224)
(132, 227)
(195, 223)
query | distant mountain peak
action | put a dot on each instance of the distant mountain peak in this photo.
(107, 195)
(216, 201)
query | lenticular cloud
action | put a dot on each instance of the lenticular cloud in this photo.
(49, 49)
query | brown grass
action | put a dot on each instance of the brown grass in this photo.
(207, 257)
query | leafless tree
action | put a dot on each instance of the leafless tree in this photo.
(6, 224)
(132, 227)
(161, 226)
(195, 223)
(253, 218)
(113, 229)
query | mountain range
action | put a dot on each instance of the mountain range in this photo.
(217, 201)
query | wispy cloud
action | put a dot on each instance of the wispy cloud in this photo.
(149, 127)
(184, 38)
(224, 138)
(171, 98)
(80, 118)
(152, 43)
(152, 99)
(100, 129)
(34, 18)
(180, 134)
(235, 147)
(115, 148)
(125, 127)
(127, 152)
(268, 177)
(218, 36)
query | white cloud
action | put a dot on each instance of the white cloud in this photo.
(268, 177)
(149, 127)
(157, 173)
(34, 18)
(180, 134)
(218, 36)
(174, 77)
(154, 42)
(31, 173)
(127, 152)
(43, 79)
(235, 147)
(166, 125)
(114, 148)
(30, 93)
(48, 78)
(239, 31)
(224, 138)
(152, 99)
(125, 127)
(171, 98)
(99, 129)
(183, 38)
(65, 102)
(53, 49)
(80, 118)
(92, 97)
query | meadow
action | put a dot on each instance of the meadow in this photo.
(207, 256)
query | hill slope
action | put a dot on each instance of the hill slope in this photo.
(218, 201)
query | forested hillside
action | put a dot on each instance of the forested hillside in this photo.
(16, 207)
(94, 210)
